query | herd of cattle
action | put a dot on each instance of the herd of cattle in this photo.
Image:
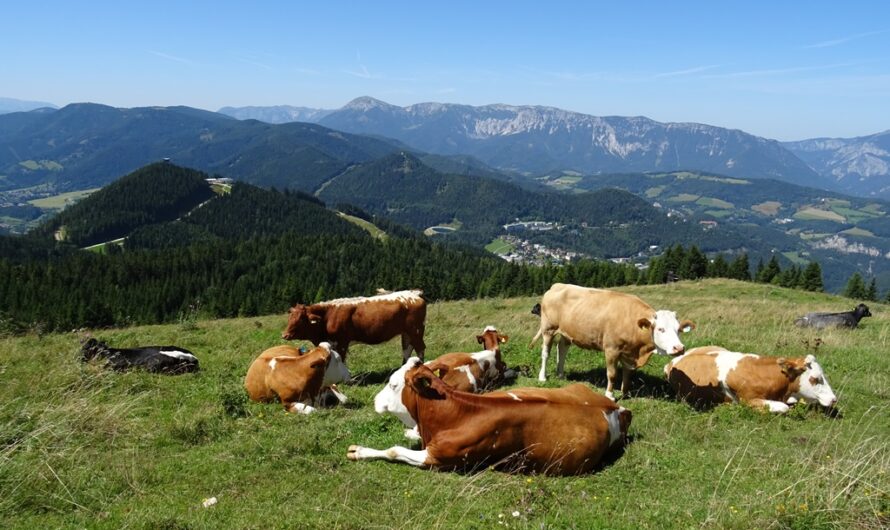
(450, 403)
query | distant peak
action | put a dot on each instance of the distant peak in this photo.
(367, 103)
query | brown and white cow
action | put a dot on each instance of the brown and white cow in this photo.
(467, 372)
(370, 320)
(516, 432)
(713, 375)
(625, 328)
(297, 379)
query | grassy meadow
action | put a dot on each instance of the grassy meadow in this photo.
(88, 448)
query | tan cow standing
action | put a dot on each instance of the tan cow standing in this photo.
(625, 328)
(370, 320)
(510, 429)
(296, 379)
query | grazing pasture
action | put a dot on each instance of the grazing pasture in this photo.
(85, 447)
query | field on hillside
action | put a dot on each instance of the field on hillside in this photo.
(84, 447)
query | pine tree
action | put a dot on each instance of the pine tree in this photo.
(770, 271)
(739, 268)
(855, 287)
(811, 278)
(871, 294)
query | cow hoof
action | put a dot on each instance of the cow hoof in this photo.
(351, 454)
(610, 396)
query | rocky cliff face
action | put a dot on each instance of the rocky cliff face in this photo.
(860, 166)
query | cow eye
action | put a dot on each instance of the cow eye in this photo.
(815, 380)
(661, 330)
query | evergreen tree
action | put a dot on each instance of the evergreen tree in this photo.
(871, 294)
(718, 268)
(695, 264)
(855, 287)
(770, 271)
(811, 278)
(739, 268)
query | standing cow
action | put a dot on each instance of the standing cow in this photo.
(625, 328)
(370, 320)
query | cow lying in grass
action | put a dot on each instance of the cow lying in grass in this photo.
(844, 319)
(467, 372)
(712, 375)
(299, 380)
(514, 430)
(160, 359)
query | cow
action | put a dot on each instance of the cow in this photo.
(511, 430)
(370, 320)
(625, 328)
(467, 372)
(159, 359)
(295, 378)
(710, 375)
(389, 400)
(845, 319)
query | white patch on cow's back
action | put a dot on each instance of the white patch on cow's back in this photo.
(398, 296)
(274, 361)
(176, 354)
(726, 362)
(514, 396)
(614, 424)
(467, 370)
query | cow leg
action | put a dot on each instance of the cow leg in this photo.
(611, 373)
(772, 406)
(412, 434)
(562, 348)
(547, 337)
(393, 454)
(409, 345)
(625, 379)
(300, 408)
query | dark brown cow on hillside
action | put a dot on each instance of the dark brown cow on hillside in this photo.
(370, 320)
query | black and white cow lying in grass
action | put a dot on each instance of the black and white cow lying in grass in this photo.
(161, 359)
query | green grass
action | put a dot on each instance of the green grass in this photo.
(84, 447)
(62, 200)
(684, 197)
(371, 228)
(809, 213)
(796, 258)
(770, 208)
(715, 203)
(856, 231)
(499, 246)
(854, 216)
(654, 191)
(718, 213)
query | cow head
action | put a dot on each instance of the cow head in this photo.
(666, 331)
(861, 311)
(491, 339)
(389, 399)
(91, 348)
(305, 323)
(336, 370)
(425, 383)
(812, 384)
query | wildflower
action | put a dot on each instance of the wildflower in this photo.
(803, 507)
(515, 513)
(528, 481)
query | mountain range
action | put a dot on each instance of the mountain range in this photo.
(538, 140)
(18, 105)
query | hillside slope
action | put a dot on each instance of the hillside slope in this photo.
(113, 450)
(860, 166)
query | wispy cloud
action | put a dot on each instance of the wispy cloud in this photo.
(362, 72)
(254, 63)
(687, 71)
(842, 40)
(171, 57)
(783, 71)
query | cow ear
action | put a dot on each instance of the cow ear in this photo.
(810, 359)
(686, 326)
(503, 339)
(644, 323)
(791, 370)
(479, 339)
(320, 363)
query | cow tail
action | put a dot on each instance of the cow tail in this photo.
(535, 339)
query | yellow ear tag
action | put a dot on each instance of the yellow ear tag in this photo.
(437, 372)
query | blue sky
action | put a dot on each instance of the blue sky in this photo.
(780, 69)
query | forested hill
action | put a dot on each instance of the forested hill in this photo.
(156, 193)
(247, 212)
